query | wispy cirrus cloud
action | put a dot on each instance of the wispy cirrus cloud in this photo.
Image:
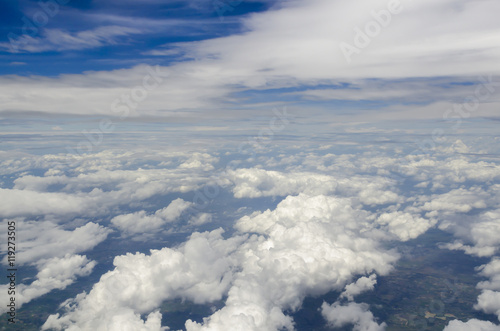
(61, 40)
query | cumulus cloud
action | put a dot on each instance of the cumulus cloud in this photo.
(45, 240)
(482, 231)
(24, 202)
(492, 271)
(307, 245)
(141, 222)
(489, 302)
(471, 325)
(329, 238)
(52, 250)
(199, 161)
(404, 225)
(199, 270)
(95, 188)
(353, 313)
(459, 200)
(363, 284)
(54, 273)
(254, 182)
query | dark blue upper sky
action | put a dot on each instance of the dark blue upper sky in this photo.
(138, 27)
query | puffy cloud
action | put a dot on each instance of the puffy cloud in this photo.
(471, 325)
(54, 273)
(96, 188)
(483, 231)
(141, 222)
(125, 320)
(492, 271)
(487, 232)
(307, 245)
(24, 202)
(199, 161)
(404, 225)
(200, 270)
(489, 302)
(338, 315)
(471, 250)
(45, 240)
(200, 219)
(254, 182)
(459, 200)
(52, 249)
(363, 284)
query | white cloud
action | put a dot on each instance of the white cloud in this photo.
(141, 222)
(492, 271)
(59, 40)
(363, 284)
(489, 302)
(45, 240)
(460, 200)
(353, 313)
(308, 245)
(54, 273)
(326, 24)
(404, 225)
(200, 270)
(482, 231)
(24, 202)
(471, 325)
(202, 161)
(254, 182)
(123, 320)
(98, 183)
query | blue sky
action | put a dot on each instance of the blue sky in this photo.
(392, 64)
(139, 27)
